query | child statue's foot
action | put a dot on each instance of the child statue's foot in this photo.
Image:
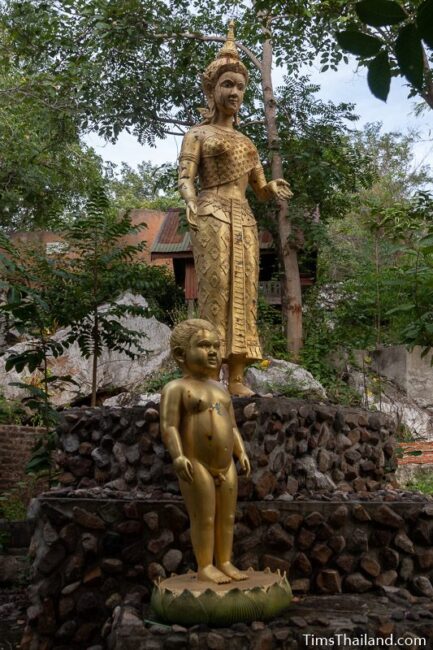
(232, 571)
(239, 389)
(213, 574)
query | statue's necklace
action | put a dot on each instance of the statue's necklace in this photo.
(224, 128)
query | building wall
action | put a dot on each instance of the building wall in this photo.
(152, 218)
(16, 443)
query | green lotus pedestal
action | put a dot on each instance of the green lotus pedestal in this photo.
(187, 601)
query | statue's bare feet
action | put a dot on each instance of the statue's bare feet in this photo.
(213, 574)
(239, 389)
(232, 571)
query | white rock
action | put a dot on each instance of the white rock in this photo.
(412, 472)
(280, 376)
(130, 399)
(384, 396)
(409, 370)
(115, 369)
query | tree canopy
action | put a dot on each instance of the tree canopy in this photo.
(148, 186)
(44, 168)
(135, 65)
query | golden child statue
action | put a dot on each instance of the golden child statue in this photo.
(199, 430)
(223, 229)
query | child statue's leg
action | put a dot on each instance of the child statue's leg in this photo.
(199, 498)
(226, 496)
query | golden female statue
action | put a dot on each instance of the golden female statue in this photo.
(223, 229)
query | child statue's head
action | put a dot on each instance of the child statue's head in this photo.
(195, 347)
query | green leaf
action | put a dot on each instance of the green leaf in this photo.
(405, 308)
(426, 241)
(424, 21)
(33, 390)
(379, 76)
(359, 43)
(380, 12)
(408, 50)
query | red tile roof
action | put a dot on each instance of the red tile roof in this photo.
(172, 239)
(425, 456)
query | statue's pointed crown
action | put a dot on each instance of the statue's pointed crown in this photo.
(227, 59)
(229, 48)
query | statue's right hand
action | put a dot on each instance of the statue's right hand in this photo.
(183, 468)
(191, 215)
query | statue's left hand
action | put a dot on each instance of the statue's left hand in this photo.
(280, 189)
(245, 463)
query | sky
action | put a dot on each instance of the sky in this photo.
(344, 85)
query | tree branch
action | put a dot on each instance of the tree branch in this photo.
(178, 133)
(171, 120)
(219, 39)
(428, 94)
(253, 122)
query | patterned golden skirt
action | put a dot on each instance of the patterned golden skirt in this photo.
(226, 259)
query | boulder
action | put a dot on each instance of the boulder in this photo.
(392, 400)
(116, 369)
(12, 569)
(131, 399)
(284, 377)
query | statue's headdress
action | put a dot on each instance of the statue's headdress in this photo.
(227, 61)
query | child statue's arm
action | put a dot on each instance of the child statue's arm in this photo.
(238, 447)
(170, 410)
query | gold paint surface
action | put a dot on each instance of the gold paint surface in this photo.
(198, 428)
(223, 230)
(190, 581)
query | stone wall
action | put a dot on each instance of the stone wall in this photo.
(338, 620)
(313, 507)
(294, 446)
(88, 553)
(16, 443)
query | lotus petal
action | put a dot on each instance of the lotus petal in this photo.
(278, 598)
(235, 606)
(221, 609)
(185, 609)
(156, 601)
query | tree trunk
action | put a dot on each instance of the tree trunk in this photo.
(291, 298)
(95, 336)
(427, 95)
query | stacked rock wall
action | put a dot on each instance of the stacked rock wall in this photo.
(319, 505)
(295, 446)
(90, 553)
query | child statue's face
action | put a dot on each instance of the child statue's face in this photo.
(203, 355)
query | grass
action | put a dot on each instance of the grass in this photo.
(422, 483)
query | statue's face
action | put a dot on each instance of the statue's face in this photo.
(229, 92)
(203, 354)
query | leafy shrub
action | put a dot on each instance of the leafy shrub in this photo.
(156, 383)
(422, 483)
(11, 411)
(269, 324)
(14, 502)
